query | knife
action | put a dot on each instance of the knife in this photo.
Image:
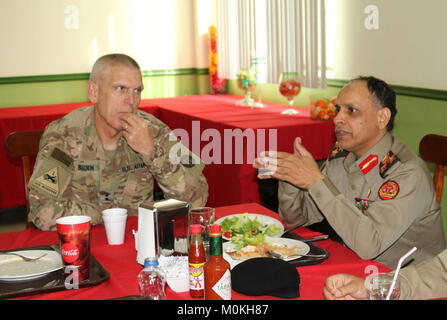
(322, 237)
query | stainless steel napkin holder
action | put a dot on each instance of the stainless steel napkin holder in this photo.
(162, 229)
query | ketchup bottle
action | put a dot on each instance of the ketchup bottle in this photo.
(196, 260)
(217, 269)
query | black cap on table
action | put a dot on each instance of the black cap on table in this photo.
(266, 276)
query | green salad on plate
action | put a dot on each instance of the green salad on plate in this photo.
(244, 231)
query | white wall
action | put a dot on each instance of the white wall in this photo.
(66, 36)
(408, 48)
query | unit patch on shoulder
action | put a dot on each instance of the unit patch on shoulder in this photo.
(388, 190)
(387, 162)
(48, 182)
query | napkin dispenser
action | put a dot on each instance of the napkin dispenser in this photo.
(162, 229)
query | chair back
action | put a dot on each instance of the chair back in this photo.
(433, 148)
(24, 144)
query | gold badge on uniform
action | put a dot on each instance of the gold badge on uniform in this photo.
(48, 182)
(388, 190)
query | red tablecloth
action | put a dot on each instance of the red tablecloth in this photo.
(229, 183)
(120, 261)
(238, 182)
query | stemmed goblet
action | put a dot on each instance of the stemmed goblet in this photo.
(289, 87)
(246, 80)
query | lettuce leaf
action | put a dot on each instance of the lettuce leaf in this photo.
(246, 231)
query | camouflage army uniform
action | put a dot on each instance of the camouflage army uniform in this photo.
(381, 205)
(74, 175)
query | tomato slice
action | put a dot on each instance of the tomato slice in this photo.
(227, 234)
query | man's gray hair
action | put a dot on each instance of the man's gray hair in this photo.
(111, 59)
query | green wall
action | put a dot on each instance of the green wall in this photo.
(53, 89)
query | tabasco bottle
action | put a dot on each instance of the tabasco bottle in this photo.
(196, 260)
(217, 269)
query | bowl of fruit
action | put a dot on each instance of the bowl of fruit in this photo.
(322, 108)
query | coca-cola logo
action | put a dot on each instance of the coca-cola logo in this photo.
(70, 253)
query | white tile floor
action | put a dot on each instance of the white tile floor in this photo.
(12, 219)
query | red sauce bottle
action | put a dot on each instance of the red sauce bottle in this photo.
(217, 269)
(196, 260)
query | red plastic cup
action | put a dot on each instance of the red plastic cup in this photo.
(74, 237)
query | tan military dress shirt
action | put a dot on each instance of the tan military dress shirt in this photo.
(74, 175)
(427, 280)
(381, 205)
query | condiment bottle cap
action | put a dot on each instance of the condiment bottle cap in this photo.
(195, 228)
(215, 228)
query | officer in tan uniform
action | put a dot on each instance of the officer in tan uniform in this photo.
(373, 190)
(427, 280)
(108, 155)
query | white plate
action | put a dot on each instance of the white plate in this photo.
(229, 247)
(263, 219)
(13, 268)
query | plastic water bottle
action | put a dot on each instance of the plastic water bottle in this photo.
(152, 280)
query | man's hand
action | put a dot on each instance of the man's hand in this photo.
(345, 287)
(137, 134)
(299, 168)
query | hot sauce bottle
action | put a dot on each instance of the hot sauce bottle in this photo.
(217, 269)
(196, 260)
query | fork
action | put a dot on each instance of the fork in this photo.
(280, 256)
(23, 257)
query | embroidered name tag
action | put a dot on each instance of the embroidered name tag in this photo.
(133, 167)
(86, 167)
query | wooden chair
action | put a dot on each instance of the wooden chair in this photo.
(433, 148)
(24, 144)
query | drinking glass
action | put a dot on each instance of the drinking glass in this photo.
(246, 80)
(379, 284)
(203, 216)
(289, 87)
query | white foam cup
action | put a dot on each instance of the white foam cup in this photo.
(114, 212)
(115, 224)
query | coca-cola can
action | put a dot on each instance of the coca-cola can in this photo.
(74, 237)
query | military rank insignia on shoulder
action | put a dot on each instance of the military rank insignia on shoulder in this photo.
(337, 152)
(387, 162)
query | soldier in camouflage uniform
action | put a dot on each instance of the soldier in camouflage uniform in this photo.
(108, 154)
(373, 191)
